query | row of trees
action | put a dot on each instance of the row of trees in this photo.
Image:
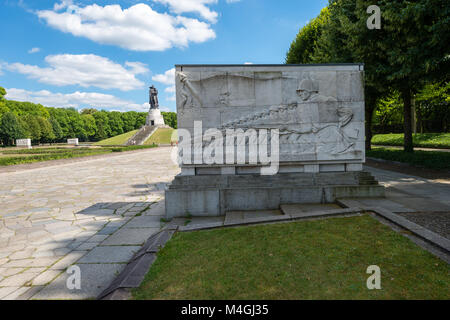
(408, 56)
(20, 120)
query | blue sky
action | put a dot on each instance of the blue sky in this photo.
(105, 53)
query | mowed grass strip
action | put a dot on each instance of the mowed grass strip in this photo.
(425, 140)
(116, 140)
(12, 157)
(22, 158)
(429, 159)
(161, 136)
(321, 259)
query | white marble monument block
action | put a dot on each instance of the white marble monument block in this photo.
(72, 142)
(314, 115)
(318, 109)
(24, 143)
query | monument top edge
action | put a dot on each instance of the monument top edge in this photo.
(270, 65)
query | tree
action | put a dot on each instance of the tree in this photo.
(170, 119)
(416, 47)
(10, 129)
(345, 38)
(115, 123)
(103, 129)
(61, 116)
(88, 111)
(33, 127)
(2, 93)
(57, 131)
(3, 108)
(129, 120)
(90, 127)
(303, 47)
(76, 124)
(140, 119)
(432, 106)
(45, 126)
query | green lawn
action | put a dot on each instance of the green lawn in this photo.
(117, 140)
(161, 136)
(426, 140)
(20, 156)
(321, 259)
(429, 159)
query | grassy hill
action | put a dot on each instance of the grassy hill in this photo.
(117, 140)
(161, 136)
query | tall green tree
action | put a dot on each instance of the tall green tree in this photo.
(416, 48)
(115, 123)
(90, 127)
(2, 93)
(46, 128)
(102, 123)
(303, 47)
(32, 127)
(345, 38)
(3, 108)
(170, 119)
(57, 131)
(10, 129)
(129, 120)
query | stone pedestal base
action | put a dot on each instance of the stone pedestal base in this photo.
(214, 195)
(154, 118)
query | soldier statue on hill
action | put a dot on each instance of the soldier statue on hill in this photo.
(153, 93)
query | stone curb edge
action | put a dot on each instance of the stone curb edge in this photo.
(285, 217)
(133, 274)
(419, 231)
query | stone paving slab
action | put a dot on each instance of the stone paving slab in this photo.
(145, 222)
(68, 260)
(94, 279)
(385, 203)
(130, 236)
(109, 254)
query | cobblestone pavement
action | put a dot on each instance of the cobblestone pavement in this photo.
(94, 214)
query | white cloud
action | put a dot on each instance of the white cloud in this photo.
(167, 78)
(34, 50)
(233, 1)
(165, 109)
(198, 6)
(248, 62)
(170, 89)
(137, 28)
(76, 99)
(62, 5)
(85, 70)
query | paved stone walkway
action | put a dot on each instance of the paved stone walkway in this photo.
(423, 201)
(94, 213)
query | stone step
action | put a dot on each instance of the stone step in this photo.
(280, 180)
(243, 216)
(307, 208)
(141, 136)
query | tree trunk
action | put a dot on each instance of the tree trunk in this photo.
(407, 127)
(370, 107)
